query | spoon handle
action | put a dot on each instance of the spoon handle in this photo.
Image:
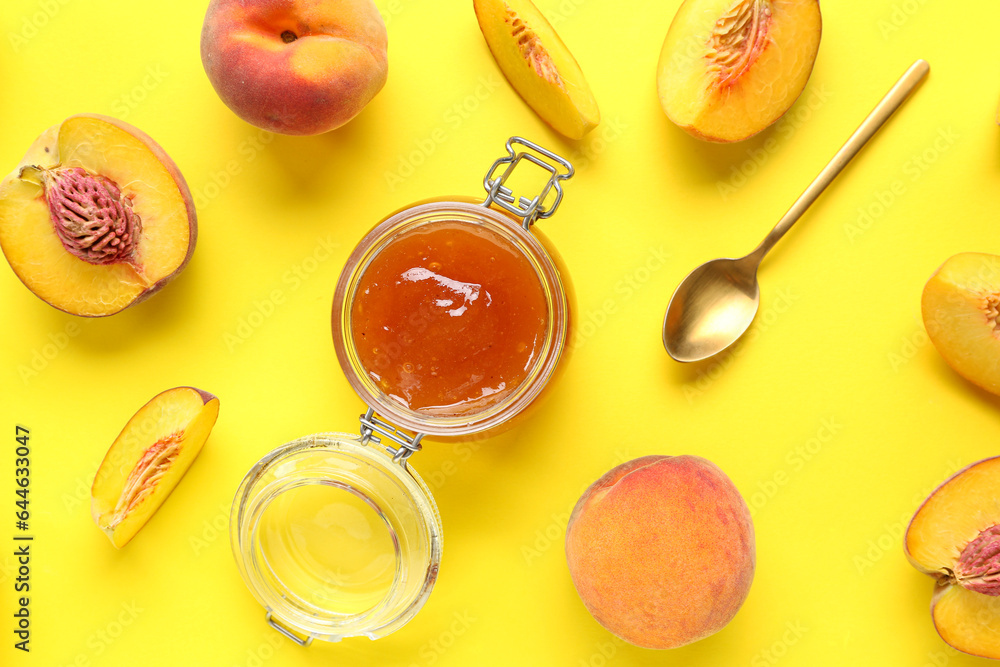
(879, 115)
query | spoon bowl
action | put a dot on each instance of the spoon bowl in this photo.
(717, 302)
(711, 309)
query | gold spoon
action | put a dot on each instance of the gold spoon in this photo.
(716, 303)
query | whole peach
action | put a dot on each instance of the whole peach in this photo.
(661, 550)
(295, 66)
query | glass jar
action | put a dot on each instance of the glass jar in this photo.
(335, 534)
(499, 413)
(335, 539)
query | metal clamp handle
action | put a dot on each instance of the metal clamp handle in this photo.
(288, 633)
(528, 210)
(408, 445)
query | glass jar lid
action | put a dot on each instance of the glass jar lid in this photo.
(336, 539)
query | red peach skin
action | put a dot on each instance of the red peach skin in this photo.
(295, 66)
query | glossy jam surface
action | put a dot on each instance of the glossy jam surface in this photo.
(449, 318)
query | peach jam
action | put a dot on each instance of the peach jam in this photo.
(449, 318)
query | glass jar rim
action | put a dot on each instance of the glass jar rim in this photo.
(451, 210)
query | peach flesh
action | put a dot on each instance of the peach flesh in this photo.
(960, 306)
(661, 550)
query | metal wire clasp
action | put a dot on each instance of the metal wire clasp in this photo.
(273, 622)
(528, 210)
(408, 444)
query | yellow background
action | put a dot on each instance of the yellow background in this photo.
(834, 421)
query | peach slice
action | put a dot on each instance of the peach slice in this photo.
(955, 538)
(730, 68)
(661, 550)
(96, 217)
(538, 65)
(149, 458)
(961, 312)
(295, 66)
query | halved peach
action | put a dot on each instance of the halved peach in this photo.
(96, 216)
(149, 458)
(538, 65)
(730, 68)
(955, 538)
(961, 312)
